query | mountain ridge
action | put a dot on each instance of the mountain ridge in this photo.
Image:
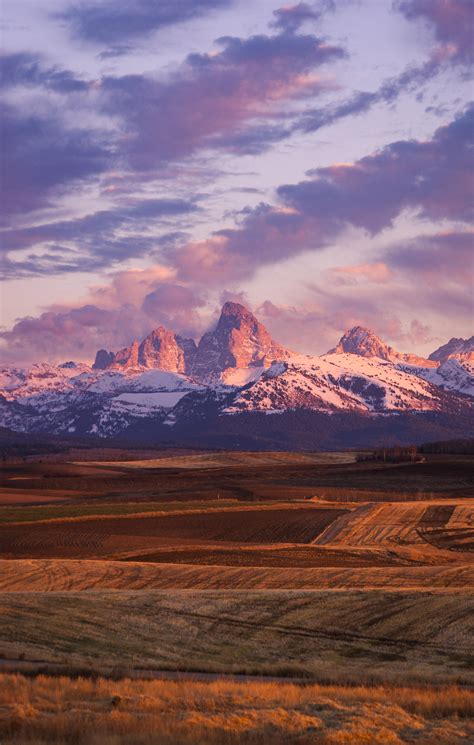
(166, 384)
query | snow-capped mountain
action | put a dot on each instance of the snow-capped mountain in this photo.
(168, 383)
(103, 402)
(339, 382)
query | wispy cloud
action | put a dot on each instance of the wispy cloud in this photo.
(96, 241)
(109, 22)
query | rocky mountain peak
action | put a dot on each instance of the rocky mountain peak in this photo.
(454, 347)
(238, 341)
(103, 359)
(160, 349)
(365, 343)
(235, 311)
(163, 349)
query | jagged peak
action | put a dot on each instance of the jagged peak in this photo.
(365, 343)
(455, 346)
(236, 312)
(239, 340)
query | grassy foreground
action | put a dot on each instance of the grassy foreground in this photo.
(136, 712)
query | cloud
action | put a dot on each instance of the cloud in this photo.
(413, 288)
(315, 326)
(452, 22)
(428, 296)
(127, 307)
(212, 100)
(41, 156)
(377, 272)
(109, 22)
(289, 18)
(436, 259)
(146, 121)
(266, 235)
(25, 69)
(362, 101)
(431, 178)
(118, 50)
(95, 241)
(212, 96)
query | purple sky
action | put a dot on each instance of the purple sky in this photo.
(313, 161)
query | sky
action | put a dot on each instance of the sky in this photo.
(312, 161)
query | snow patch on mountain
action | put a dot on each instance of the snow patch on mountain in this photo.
(339, 381)
(455, 374)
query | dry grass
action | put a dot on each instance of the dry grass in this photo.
(134, 712)
(237, 458)
(323, 635)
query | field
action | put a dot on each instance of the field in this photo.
(338, 595)
(105, 712)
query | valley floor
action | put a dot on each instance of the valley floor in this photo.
(354, 578)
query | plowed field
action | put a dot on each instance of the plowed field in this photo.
(102, 536)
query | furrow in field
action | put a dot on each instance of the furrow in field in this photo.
(68, 575)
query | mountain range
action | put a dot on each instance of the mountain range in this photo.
(239, 388)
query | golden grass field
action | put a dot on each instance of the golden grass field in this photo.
(107, 712)
(309, 567)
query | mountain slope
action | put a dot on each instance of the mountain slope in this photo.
(339, 382)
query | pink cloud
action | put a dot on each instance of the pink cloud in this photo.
(213, 94)
(377, 272)
(109, 316)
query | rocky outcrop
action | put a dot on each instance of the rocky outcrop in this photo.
(103, 360)
(238, 341)
(365, 343)
(164, 350)
(161, 349)
(454, 347)
(128, 356)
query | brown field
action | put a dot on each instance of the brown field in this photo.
(438, 477)
(52, 575)
(305, 566)
(103, 537)
(104, 712)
